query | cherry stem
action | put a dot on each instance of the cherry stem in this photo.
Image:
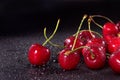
(85, 16)
(91, 31)
(89, 27)
(95, 22)
(69, 52)
(53, 44)
(55, 30)
(107, 55)
(91, 17)
(103, 17)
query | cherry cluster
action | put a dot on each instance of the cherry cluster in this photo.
(95, 48)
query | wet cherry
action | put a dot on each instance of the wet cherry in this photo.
(97, 40)
(114, 61)
(114, 44)
(109, 31)
(38, 54)
(68, 61)
(68, 43)
(69, 57)
(94, 56)
(85, 36)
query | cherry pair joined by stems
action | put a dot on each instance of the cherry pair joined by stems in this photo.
(69, 58)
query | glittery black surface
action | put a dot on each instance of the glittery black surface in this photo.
(15, 66)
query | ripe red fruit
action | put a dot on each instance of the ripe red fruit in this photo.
(68, 61)
(68, 43)
(38, 54)
(85, 36)
(114, 44)
(109, 31)
(97, 40)
(114, 61)
(94, 57)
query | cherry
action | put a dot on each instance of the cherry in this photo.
(68, 61)
(110, 29)
(114, 61)
(68, 43)
(39, 54)
(85, 36)
(114, 44)
(94, 56)
(97, 40)
(69, 57)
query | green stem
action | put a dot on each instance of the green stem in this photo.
(57, 45)
(91, 17)
(67, 53)
(52, 34)
(89, 28)
(107, 55)
(85, 16)
(95, 22)
(92, 54)
(103, 17)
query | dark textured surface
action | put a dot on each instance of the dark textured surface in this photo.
(15, 66)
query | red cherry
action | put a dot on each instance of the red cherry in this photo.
(114, 44)
(109, 37)
(68, 61)
(97, 40)
(85, 36)
(68, 43)
(94, 57)
(114, 61)
(109, 31)
(38, 54)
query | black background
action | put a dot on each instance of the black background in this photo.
(31, 15)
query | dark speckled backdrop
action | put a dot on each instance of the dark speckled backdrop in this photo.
(22, 23)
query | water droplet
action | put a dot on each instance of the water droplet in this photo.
(35, 77)
(54, 60)
(42, 73)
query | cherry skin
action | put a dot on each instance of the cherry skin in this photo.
(109, 31)
(38, 54)
(114, 44)
(114, 61)
(69, 61)
(94, 57)
(97, 40)
(85, 36)
(68, 43)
